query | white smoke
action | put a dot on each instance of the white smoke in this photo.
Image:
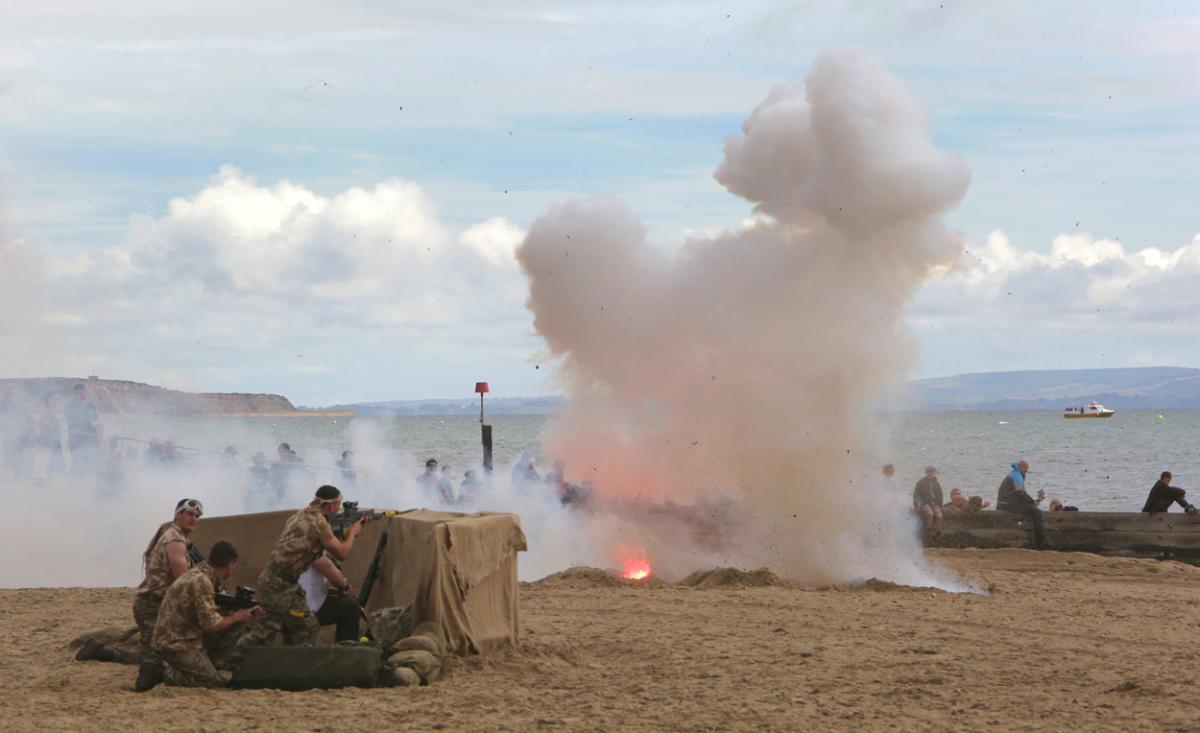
(733, 379)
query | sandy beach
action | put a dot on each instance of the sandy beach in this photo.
(1064, 642)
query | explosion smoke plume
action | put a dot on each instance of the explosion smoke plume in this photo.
(746, 365)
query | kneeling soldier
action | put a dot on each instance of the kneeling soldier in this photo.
(188, 612)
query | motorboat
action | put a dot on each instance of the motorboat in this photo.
(1093, 409)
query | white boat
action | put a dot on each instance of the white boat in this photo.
(1093, 409)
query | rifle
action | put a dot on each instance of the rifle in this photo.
(242, 597)
(364, 593)
(351, 513)
(195, 557)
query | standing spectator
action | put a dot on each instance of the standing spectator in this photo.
(16, 427)
(258, 470)
(83, 431)
(446, 485)
(927, 499)
(287, 464)
(468, 490)
(1163, 495)
(258, 484)
(50, 438)
(347, 475)
(1014, 498)
(429, 482)
(523, 471)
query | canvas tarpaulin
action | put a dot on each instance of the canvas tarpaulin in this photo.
(459, 570)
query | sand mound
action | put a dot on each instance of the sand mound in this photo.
(879, 586)
(734, 578)
(581, 577)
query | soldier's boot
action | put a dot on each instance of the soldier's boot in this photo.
(93, 649)
(150, 674)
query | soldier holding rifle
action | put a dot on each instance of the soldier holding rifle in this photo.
(307, 534)
(189, 617)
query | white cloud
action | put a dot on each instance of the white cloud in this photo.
(241, 271)
(1086, 302)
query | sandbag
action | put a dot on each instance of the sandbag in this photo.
(421, 662)
(420, 643)
(389, 625)
(311, 667)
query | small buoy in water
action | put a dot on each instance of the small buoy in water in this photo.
(363, 640)
(335, 422)
(1160, 417)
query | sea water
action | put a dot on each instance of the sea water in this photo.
(1095, 464)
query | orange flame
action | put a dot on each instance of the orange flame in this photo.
(637, 569)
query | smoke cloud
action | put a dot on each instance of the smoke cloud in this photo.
(723, 394)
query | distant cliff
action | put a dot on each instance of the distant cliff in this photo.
(113, 396)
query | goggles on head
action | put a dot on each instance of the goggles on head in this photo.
(190, 505)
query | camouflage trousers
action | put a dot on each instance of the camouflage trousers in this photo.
(145, 614)
(287, 613)
(190, 669)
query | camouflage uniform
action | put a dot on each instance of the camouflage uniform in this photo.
(149, 595)
(279, 591)
(188, 613)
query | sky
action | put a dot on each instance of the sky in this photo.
(322, 200)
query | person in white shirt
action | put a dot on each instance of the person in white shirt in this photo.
(331, 598)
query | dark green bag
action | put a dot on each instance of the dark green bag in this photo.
(309, 667)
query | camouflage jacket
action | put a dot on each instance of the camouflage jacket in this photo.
(189, 609)
(300, 543)
(158, 567)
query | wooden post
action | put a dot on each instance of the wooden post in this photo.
(487, 447)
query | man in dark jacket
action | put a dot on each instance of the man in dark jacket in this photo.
(1014, 498)
(1162, 495)
(927, 499)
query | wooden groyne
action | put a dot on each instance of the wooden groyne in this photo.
(1133, 534)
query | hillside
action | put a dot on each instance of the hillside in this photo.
(112, 396)
(1137, 387)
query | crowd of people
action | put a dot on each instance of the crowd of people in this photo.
(928, 501)
(25, 439)
(38, 445)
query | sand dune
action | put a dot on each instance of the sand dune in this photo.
(1065, 641)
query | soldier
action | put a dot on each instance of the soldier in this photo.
(166, 559)
(306, 535)
(189, 614)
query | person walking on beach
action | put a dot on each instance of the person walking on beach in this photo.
(306, 536)
(189, 615)
(1014, 498)
(1163, 495)
(927, 499)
